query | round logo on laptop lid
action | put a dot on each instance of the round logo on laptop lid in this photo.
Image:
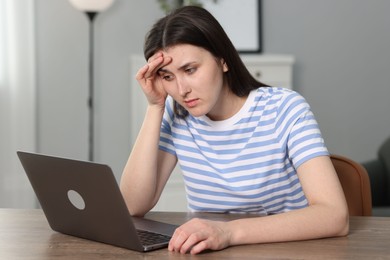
(76, 199)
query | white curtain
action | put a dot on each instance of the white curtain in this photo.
(17, 100)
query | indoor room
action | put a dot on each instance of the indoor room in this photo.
(68, 86)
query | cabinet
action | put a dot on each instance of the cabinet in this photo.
(274, 70)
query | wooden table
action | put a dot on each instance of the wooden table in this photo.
(25, 234)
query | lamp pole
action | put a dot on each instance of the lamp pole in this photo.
(91, 111)
(91, 9)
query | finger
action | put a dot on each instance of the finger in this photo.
(148, 70)
(171, 245)
(192, 241)
(153, 67)
(201, 246)
(141, 72)
(177, 240)
(155, 56)
(159, 63)
(165, 60)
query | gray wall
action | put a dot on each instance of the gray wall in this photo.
(342, 68)
(62, 49)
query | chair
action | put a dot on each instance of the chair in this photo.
(356, 185)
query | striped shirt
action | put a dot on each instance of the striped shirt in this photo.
(248, 162)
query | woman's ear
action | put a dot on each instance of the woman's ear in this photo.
(225, 67)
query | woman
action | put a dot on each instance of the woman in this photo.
(242, 146)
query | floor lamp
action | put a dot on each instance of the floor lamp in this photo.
(91, 8)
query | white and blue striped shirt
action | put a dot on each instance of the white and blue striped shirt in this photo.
(248, 162)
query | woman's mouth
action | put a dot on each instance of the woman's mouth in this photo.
(191, 102)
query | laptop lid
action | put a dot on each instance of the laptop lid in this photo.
(83, 199)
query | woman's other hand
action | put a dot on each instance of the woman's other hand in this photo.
(151, 82)
(198, 235)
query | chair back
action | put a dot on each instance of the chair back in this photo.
(356, 185)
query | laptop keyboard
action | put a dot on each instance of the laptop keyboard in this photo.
(151, 238)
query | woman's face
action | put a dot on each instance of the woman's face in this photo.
(194, 78)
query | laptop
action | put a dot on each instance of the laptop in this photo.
(83, 199)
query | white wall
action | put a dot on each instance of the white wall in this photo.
(342, 68)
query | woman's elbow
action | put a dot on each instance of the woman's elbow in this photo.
(341, 223)
(135, 208)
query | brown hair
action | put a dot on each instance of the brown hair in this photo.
(196, 26)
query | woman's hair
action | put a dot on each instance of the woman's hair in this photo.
(196, 26)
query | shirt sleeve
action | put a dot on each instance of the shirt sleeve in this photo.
(304, 140)
(166, 139)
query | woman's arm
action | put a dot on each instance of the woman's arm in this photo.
(326, 216)
(148, 169)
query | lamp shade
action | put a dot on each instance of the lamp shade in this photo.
(91, 5)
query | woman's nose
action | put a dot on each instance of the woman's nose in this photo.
(183, 88)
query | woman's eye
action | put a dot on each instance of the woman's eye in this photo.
(166, 77)
(190, 70)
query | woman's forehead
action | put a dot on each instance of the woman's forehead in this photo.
(185, 53)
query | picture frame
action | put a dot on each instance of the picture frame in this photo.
(241, 21)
